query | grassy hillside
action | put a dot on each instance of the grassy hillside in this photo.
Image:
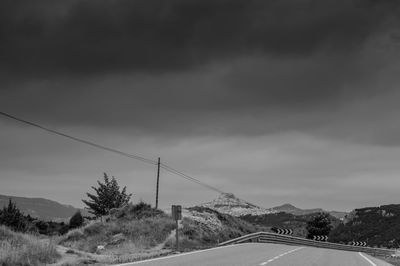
(17, 249)
(41, 208)
(145, 228)
(135, 227)
(378, 226)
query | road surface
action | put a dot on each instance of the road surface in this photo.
(260, 254)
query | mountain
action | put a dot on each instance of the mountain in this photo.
(289, 208)
(378, 226)
(227, 203)
(41, 208)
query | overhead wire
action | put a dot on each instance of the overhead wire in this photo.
(136, 157)
(176, 172)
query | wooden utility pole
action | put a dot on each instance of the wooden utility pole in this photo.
(158, 181)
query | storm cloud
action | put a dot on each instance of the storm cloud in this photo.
(85, 37)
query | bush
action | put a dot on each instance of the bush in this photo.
(12, 217)
(76, 220)
(108, 196)
(50, 228)
(320, 225)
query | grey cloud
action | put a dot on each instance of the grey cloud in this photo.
(86, 37)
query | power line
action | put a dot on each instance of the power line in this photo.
(136, 157)
(176, 172)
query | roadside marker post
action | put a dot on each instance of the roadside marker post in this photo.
(177, 215)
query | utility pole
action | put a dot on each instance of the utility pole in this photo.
(158, 181)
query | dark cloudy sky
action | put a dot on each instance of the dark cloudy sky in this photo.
(276, 101)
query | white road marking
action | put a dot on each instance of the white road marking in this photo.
(367, 259)
(177, 255)
(279, 256)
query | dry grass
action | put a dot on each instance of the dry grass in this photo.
(135, 235)
(17, 249)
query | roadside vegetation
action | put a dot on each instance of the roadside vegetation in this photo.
(377, 226)
(395, 261)
(137, 227)
(18, 249)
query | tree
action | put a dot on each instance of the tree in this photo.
(108, 196)
(76, 220)
(12, 217)
(320, 225)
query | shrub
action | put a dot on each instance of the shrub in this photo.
(320, 225)
(76, 220)
(108, 196)
(12, 217)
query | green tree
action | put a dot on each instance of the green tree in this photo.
(76, 220)
(108, 196)
(12, 217)
(320, 225)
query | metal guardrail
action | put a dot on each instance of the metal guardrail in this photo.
(266, 237)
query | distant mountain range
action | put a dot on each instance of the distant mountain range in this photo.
(41, 208)
(229, 204)
(289, 208)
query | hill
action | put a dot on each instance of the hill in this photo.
(139, 231)
(378, 226)
(227, 203)
(289, 208)
(41, 208)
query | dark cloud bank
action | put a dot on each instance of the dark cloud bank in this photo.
(86, 36)
(250, 67)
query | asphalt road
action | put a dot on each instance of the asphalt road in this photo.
(260, 254)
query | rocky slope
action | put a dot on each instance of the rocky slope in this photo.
(227, 203)
(204, 227)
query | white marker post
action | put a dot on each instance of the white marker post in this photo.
(177, 215)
